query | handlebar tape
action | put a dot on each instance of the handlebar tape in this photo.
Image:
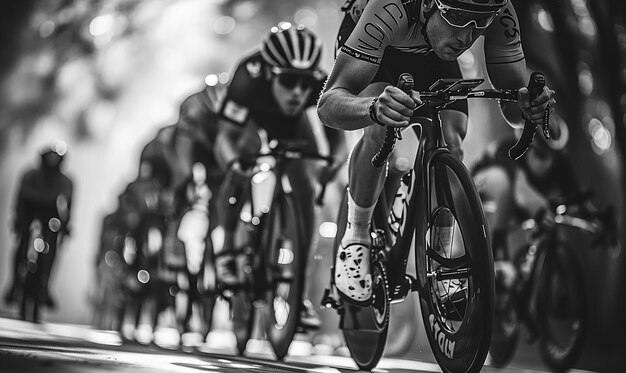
(405, 83)
(535, 87)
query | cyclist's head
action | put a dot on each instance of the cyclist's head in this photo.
(292, 54)
(452, 26)
(52, 155)
(290, 48)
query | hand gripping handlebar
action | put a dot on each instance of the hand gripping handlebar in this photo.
(405, 83)
(535, 87)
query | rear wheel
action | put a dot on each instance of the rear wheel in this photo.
(365, 328)
(282, 240)
(458, 298)
(561, 309)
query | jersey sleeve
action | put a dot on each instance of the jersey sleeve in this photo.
(503, 43)
(381, 23)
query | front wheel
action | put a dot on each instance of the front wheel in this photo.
(457, 290)
(286, 254)
(561, 309)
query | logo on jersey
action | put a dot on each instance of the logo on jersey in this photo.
(360, 55)
(254, 69)
(235, 112)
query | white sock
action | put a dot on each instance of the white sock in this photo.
(352, 266)
(358, 227)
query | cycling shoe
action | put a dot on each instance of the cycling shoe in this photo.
(352, 273)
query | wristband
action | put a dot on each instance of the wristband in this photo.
(372, 111)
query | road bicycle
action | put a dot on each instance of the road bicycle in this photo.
(547, 297)
(270, 249)
(456, 283)
(44, 236)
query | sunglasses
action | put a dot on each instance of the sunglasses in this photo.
(461, 17)
(291, 81)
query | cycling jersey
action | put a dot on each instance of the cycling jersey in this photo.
(249, 97)
(396, 24)
(39, 195)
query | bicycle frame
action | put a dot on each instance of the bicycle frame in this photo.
(431, 142)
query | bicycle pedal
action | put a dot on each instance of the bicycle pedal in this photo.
(330, 300)
(378, 239)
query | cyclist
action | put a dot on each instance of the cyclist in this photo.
(45, 193)
(271, 90)
(177, 155)
(424, 38)
(512, 191)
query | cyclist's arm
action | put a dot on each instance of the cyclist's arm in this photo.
(345, 102)
(183, 159)
(509, 76)
(226, 142)
(340, 105)
(507, 68)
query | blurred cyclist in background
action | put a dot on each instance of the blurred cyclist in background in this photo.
(269, 93)
(181, 157)
(513, 191)
(45, 194)
(380, 40)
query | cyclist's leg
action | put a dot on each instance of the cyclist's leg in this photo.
(352, 270)
(47, 263)
(228, 204)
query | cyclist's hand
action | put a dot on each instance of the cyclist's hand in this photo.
(394, 108)
(535, 109)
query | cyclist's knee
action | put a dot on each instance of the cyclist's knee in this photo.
(373, 136)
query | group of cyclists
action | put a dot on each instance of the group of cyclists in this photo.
(188, 187)
(190, 180)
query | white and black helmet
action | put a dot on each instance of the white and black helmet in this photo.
(289, 47)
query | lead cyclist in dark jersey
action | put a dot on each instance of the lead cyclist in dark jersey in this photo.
(389, 38)
(270, 93)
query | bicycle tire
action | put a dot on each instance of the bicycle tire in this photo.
(242, 300)
(243, 311)
(285, 264)
(365, 328)
(458, 346)
(561, 309)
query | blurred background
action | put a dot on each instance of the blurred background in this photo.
(104, 75)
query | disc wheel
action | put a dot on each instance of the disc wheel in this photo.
(365, 328)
